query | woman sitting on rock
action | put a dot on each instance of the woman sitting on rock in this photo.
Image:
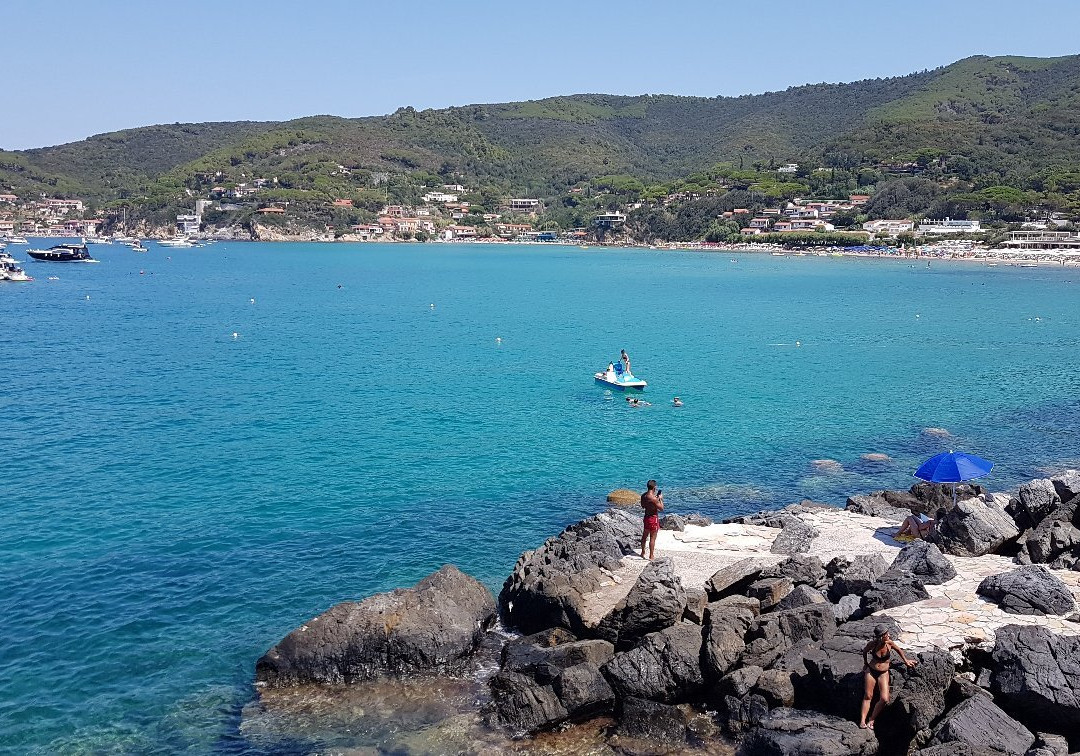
(876, 657)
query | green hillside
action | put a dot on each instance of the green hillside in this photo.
(1005, 119)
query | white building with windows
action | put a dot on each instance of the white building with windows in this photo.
(948, 226)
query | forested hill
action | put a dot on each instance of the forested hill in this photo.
(1010, 117)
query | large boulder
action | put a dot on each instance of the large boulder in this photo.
(1037, 498)
(738, 715)
(725, 628)
(735, 577)
(771, 635)
(799, 569)
(548, 586)
(651, 720)
(583, 690)
(665, 666)
(802, 595)
(894, 588)
(544, 655)
(674, 522)
(774, 685)
(925, 561)
(769, 591)
(979, 723)
(435, 626)
(1036, 675)
(876, 505)
(791, 732)
(1067, 485)
(521, 705)
(1028, 590)
(934, 496)
(657, 600)
(624, 497)
(1056, 539)
(795, 537)
(854, 575)
(975, 527)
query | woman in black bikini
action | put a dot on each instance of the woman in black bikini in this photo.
(876, 656)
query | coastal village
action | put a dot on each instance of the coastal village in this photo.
(444, 213)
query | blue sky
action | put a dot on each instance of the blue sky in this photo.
(77, 67)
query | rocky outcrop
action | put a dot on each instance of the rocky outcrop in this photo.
(769, 591)
(665, 666)
(651, 720)
(1028, 590)
(433, 627)
(657, 600)
(975, 527)
(1067, 485)
(795, 537)
(791, 732)
(548, 586)
(1036, 498)
(801, 595)
(1036, 676)
(725, 630)
(771, 635)
(799, 569)
(1054, 540)
(735, 578)
(624, 497)
(979, 723)
(925, 561)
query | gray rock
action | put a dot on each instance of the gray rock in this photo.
(771, 635)
(918, 697)
(751, 605)
(800, 569)
(547, 587)
(795, 538)
(1028, 590)
(699, 519)
(975, 527)
(791, 732)
(1055, 745)
(769, 591)
(925, 561)
(673, 522)
(657, 600)
(1056, 538)
(937, 495)
(802, 595)
(696, 601)
(740, 714)
(521, 705)
(855, 575)
(1036, 675)
(664, 667)
(774, 685)
(957, 749)
(650, 720)
(1067, 485)
(735, 578)
(775, 518)
(875, 505)
(583, 690)
(1037, 498)
(544, 655)
(434, 626)
(847, 607)
(893, 589)
(978, 722)
(739, 682)
(725, 627)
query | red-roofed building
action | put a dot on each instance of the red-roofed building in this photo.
(859, 199)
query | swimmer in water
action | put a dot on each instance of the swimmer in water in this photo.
(676, 402)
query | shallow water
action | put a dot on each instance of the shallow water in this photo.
(177, 499)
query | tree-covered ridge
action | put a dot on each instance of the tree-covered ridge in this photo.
(992, 136)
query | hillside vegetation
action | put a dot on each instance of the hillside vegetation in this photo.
(976, 124)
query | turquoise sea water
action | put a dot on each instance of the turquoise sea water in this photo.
(175, 499)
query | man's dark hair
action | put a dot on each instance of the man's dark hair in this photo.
(651, 485)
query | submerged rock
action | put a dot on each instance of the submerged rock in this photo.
(432, 627)
(624, 497)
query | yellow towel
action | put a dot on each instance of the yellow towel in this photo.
(904, 538)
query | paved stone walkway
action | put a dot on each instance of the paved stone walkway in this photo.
(953, 616)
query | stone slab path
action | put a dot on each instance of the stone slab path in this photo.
(953, 616)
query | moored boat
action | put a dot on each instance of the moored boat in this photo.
(16, 240)
(62, 253)
(178, 241)
(12, 272)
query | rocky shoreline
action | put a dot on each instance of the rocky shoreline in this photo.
(742, 636)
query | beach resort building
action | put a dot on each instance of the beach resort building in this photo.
(1044, 240)
(188, 225)
(610, 220)
(948, 226)
(524, 206)
(890, 227)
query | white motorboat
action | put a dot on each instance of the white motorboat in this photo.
(12, 272)
(620, 380)
(178, 241)
(16, 240)
(125, 239)
(6, 258)
(96, 240)
(137, 246)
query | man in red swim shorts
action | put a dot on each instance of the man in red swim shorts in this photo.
(652, 501)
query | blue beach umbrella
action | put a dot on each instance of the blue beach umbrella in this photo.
(953, 467)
